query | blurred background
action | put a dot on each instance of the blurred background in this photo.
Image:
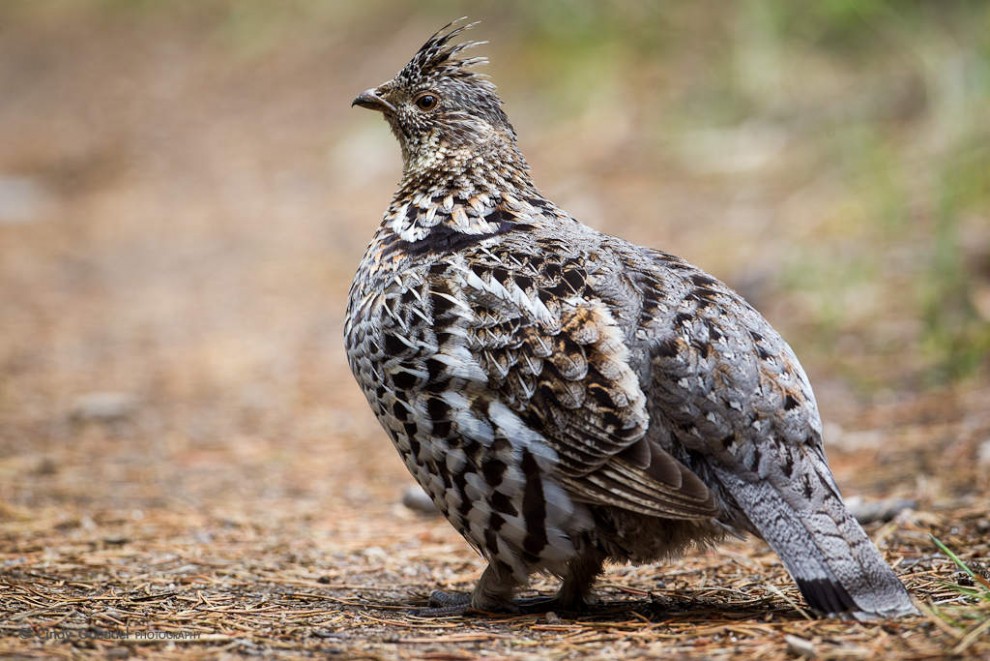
(185, 192)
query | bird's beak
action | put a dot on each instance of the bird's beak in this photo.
(370, 99)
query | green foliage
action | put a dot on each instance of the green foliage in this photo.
(915, 170)
(954, 330)
(983, 592)
(971, 621)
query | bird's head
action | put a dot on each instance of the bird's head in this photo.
(443, 112)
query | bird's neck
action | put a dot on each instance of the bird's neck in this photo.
(490, 166)
(473, 191)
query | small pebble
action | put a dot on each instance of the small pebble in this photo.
(46, 466)
(800, 646)
(416, 499)
(116, 540)
(23, 200)
(983, 454)
(878, 510)
(375, 553)
(103, 407)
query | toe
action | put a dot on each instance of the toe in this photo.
(441, 599)
(445, 604)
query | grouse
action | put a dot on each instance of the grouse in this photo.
(567, 398)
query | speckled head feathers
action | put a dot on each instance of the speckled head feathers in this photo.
(438, 58)
(441, 109)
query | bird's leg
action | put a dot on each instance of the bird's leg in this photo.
(492, 594)
(575, 591)
(494, 589)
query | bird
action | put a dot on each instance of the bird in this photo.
(568, 398)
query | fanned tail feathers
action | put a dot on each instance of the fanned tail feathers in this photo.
(834, 563)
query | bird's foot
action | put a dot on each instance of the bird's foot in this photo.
(446, 604)
(537, 605)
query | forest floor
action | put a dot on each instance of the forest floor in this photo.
(187, 469)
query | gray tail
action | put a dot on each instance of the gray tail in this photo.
(835, 565)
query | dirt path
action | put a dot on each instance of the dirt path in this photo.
(187, 469)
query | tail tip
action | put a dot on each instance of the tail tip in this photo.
(832, 598)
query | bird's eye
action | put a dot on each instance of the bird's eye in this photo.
(427, 101)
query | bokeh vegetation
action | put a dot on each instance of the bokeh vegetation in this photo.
(883, 104)
(868, 122)
(832, 159)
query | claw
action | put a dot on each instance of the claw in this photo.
(535, 605)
